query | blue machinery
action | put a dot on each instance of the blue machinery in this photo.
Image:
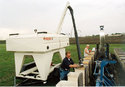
(102, 73)
(99, 72)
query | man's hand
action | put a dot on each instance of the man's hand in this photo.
(76, 65)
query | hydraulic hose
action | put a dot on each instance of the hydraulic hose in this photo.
(76, 35)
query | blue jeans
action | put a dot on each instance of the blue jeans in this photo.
(63, 74)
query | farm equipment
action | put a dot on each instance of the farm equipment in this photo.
(41, 46)
(103, 63)
(97, 70)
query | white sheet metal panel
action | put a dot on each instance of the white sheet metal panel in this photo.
(36, 43)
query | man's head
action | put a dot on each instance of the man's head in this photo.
(68, 54)
(87, 46)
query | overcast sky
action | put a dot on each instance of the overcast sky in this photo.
(24, 16)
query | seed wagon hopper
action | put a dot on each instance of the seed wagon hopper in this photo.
(41, 46)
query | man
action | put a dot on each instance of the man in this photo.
(86, 51)
(67, 63)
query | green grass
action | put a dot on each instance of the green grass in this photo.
(7, 70)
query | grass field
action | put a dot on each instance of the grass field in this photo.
(7, 71)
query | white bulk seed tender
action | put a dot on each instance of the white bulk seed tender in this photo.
(41, 46)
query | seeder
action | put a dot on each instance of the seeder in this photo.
(103, 70)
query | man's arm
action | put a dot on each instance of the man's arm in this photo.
(86, 51)
(73, 66)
